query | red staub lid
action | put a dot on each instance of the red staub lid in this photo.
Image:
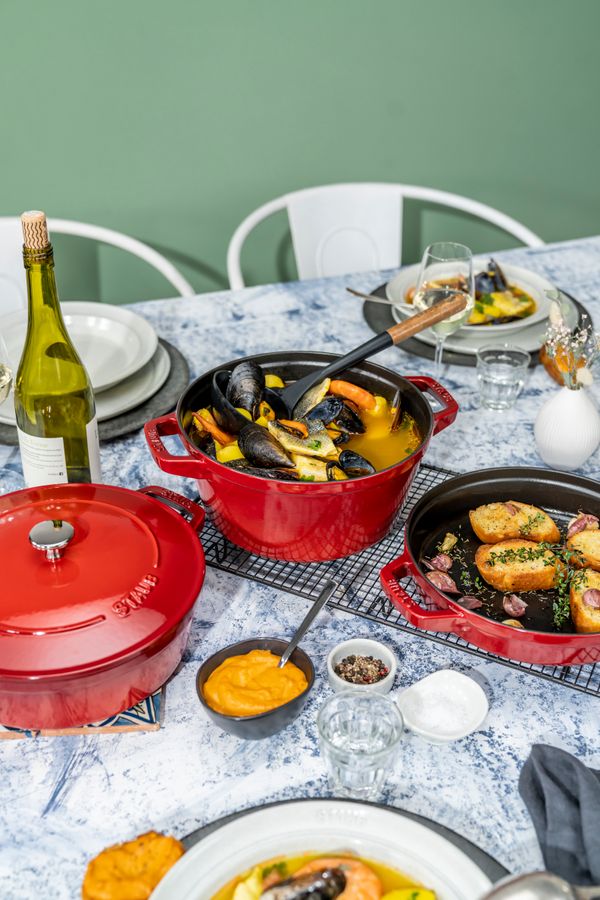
(91, 574)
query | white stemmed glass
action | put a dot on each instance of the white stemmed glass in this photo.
(446, 271)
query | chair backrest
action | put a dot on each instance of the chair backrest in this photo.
(13, 291)
(341, 228)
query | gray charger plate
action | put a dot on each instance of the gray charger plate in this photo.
(379, 318)
(163, 401)
(488, 865)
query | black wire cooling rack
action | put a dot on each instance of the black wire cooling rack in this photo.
(360, 592)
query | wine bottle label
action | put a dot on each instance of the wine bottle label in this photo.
(43, 459)
(93, 443)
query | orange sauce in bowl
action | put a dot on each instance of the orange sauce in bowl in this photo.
(251, 683)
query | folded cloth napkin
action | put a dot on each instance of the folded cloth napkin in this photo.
(563, 799)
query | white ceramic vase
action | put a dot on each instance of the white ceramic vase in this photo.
(567, 429)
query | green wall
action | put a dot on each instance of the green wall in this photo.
(172, 120)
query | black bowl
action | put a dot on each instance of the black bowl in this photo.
(264, 724)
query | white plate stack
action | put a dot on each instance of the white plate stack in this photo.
(120, 350)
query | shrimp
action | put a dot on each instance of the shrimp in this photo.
(361, 882)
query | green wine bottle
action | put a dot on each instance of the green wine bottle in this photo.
(54, 401)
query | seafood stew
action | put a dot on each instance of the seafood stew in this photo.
(323, 877)
(340, 430)
(496, 301)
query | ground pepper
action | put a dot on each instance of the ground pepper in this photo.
(361, 669)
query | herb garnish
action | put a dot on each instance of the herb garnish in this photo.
(531, 522)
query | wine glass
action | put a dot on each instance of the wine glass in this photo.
(446, 271)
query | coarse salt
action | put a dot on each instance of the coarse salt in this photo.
(443, 704)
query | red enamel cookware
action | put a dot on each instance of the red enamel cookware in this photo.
(445, 509)
(300, 521)
(98, 587)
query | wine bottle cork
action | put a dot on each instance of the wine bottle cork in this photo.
(35, 230)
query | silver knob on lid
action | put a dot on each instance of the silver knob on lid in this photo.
(51, 537)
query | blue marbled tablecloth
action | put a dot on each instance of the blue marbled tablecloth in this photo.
(64, 799)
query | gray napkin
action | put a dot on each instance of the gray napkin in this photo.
(563, 799)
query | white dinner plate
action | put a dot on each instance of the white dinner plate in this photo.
(126, 395)
(533, 284)
(112, 342)
(528, 337)
(330, 827)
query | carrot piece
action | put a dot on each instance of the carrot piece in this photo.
(295, 426)
(209, 424)
(363, 399)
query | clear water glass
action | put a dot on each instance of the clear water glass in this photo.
(501, 371)
(360, 734)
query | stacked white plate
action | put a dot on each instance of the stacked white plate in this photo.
(527, 333)
(119, 349)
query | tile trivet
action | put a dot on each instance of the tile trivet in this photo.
(144, 716)
(360, 592)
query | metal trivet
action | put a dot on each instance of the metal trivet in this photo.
(360, 592)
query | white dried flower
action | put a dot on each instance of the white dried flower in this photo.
(584, 377)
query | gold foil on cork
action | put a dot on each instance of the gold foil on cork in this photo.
(35, 230)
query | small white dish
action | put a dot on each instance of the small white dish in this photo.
(535, 285)
(362, 647)
(121, 398)
(113, 342)
(444, 706)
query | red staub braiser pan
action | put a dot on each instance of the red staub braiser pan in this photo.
(98, 587)
(299, 521)
(445, 509)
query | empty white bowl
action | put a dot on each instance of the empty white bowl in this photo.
(362, 647)
(444, 706)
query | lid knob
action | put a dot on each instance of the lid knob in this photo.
(51, 537)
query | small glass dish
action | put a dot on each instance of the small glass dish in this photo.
(444, 706)
(362, 647)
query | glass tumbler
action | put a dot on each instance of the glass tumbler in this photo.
(359, 733)
(501, 370)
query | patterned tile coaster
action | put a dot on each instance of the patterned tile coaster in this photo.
(146, 715)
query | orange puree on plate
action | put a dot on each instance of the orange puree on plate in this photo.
(251, 683)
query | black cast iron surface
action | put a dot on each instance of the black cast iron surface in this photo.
(359, 589)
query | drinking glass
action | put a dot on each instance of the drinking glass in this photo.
(446, 271)
(6, 371)
(359, 735)
(501, 370)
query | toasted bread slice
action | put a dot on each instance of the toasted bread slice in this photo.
(501, 521)
(517, 566)
(587, 545)
(586, 618)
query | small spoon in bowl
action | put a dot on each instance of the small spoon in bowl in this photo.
(307, 621)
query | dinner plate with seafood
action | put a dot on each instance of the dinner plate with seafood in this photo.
(344, 848)
(507, 297)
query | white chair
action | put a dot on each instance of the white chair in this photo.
(13, 290)
(342, 228)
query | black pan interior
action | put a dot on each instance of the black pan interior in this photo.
(446, 509)
(291, 365)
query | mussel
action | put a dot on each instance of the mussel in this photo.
(325, 884)
(246, 386)
(261, 449)
(490, 280)
(354, 464)
(242, 465)
(223, 410)
(333, 410)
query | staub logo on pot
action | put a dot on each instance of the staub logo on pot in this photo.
(136, 596)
